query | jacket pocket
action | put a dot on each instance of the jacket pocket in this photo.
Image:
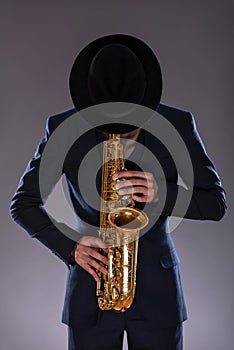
(169, 259)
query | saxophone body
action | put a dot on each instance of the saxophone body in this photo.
(120, 224)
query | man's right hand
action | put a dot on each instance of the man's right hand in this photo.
(87, 255)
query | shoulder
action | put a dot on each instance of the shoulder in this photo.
(55, 120)
(168, 109)
(176, 116)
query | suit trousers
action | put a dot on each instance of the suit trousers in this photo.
(108, 334)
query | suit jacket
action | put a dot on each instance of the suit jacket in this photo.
(159, 294)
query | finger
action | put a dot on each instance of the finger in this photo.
(134, 190)
(84, 251)
(131, 173)
(85, 261)
(133, 182)
(95, 254)
(142, 199)
(150, 196)
(101, 250)
(96, 265)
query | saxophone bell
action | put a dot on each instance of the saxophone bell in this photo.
(128, 219)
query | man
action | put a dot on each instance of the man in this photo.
(113, 69)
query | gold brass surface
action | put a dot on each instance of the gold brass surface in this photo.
(120, 224)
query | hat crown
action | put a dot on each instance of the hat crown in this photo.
(116, 74)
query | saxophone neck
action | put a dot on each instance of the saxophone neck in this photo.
(114, 136)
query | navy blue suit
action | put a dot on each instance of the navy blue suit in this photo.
(159, 296)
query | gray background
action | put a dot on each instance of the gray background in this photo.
(39, 41)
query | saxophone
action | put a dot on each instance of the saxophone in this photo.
(120, 224)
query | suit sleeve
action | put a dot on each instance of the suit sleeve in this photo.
(208, 198)
(27, 205)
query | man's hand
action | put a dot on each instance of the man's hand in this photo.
(87, 255)
(142, 185)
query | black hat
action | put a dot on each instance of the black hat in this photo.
(116, 68)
